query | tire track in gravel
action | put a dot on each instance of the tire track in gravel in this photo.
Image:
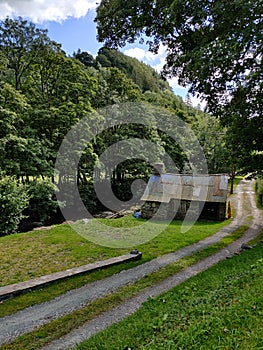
(30, 318)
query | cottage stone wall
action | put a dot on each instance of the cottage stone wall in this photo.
(177, 209)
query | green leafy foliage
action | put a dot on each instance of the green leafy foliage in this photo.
(85, 58)
(42, 203)
(212, 46)
(141, 74)
(259, 191)
(88, 196)
(13, 200)
(44, 93)
(21, 42)
(214, 141)
(114, 87)
(201, 39)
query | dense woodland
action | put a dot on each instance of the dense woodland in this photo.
(43, 93)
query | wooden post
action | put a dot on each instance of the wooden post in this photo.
(229, 211)
(232, 179)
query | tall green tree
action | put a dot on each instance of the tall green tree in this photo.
(42, 94)
(214, 45)
(21, 43)
(114, 87)
(140, 73)
(84, 57)
(22, 152)
(214, 141)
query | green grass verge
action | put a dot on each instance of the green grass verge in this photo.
(60, 327)
(220, 308)
(237, 180)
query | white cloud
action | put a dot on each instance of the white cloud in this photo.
(39, 11)
(140, 54)
(159, 66)
(136, 52)
(177, 89)
(196, 102)
(147, 56)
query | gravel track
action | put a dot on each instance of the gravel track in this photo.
(26, 320)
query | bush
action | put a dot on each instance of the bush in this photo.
(13, 200)
(43, 203)
(89, 197)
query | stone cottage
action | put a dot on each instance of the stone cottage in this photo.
(176, 195)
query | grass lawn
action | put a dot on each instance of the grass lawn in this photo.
(32, 254)
(28, 255)
(221, 308)
(59, 327)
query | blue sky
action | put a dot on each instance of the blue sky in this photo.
(80, 33)
(71, 23)
(75, 33)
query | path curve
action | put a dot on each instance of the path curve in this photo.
(27, 320)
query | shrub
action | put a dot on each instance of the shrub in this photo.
(13, 200)
(43, 203)
(89, 197)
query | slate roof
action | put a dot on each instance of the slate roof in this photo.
(207, 188)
